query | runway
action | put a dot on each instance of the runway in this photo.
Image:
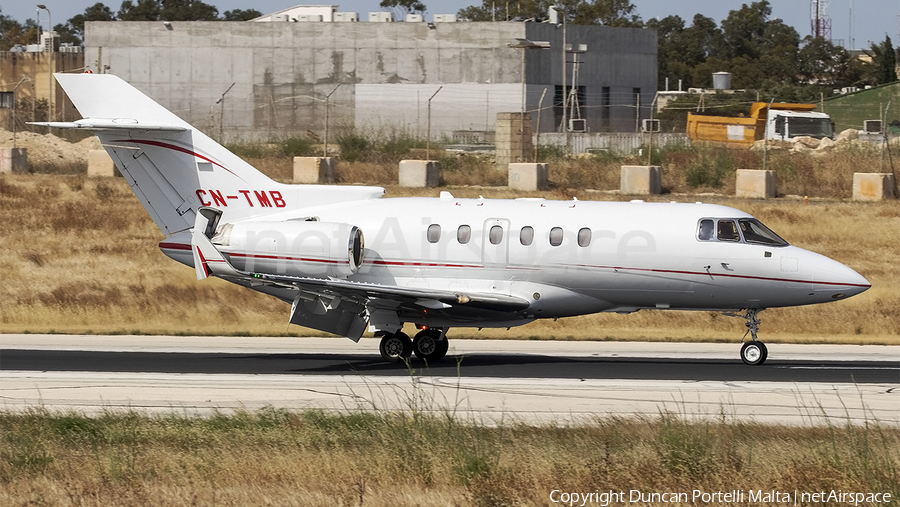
(491, 380)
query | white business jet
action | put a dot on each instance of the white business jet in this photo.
(439, 262)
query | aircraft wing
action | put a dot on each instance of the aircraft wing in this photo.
(431, 299)
(339, 306)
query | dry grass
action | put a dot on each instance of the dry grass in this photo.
(79, 256)
(277, 457)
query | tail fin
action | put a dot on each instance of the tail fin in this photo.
(175, 169)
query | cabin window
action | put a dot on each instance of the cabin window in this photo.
(779, 125)
(706, 230)
(584, 237)
(756, 232)
(463, 234)
(496, 235)
(556, 236)
(727, 231)
(434, 233)
(526, 235)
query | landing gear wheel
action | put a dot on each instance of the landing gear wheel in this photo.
(754, 353)
(395, 346)
(430, 346)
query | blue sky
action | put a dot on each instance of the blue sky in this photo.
(871, 19)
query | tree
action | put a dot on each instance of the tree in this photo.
(12, 32)
(492, 10)
(167, 10)
(819, 62)
(241, 15)
(580, 12)
(682, 49)
(618, 13)
(884, 60)
(96, 12)
(756, 48)
(404, 6)
(144, 10)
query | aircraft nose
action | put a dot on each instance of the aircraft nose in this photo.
(837, 280)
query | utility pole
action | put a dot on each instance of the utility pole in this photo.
(525, 45)
(221, 103)
(15, 119)
(565, 124)
(428, 141)
(327, 99)
(49, 64)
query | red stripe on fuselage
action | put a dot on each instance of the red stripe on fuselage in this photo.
(177, 246)
(724, 275)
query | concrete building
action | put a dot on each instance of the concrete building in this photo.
(380, 76)
(24, 79)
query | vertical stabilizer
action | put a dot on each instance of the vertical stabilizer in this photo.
(175, 169)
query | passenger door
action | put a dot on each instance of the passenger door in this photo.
(495, 243)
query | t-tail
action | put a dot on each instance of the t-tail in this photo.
(173, 168)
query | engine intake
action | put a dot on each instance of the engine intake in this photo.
(293, 248)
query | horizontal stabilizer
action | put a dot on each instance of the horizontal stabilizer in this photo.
(106, 124)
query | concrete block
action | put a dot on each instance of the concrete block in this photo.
(13, 160)
(873, 186)
(314, 170)
(641, 179)
(513, 140)
(529, 177)
(99, 164)
(420, 173)
(755, 184)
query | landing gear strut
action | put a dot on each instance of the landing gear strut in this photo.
(753, 352)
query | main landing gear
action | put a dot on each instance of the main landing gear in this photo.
(753, 352)
(429, 345)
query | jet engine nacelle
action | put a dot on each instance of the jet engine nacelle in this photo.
(293, 248)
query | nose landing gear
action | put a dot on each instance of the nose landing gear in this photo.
(753, 352)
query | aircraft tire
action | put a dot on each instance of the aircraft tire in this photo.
(429, 346)
(754, 353)
(395, 347)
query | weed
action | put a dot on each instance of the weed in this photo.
(297, 147)
(551, 152)
(353, 146)
(709, 169)
(104, 191)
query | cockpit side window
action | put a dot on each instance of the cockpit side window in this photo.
(755, 232)
(727, 231)
(705, 232)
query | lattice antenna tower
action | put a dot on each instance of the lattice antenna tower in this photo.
(820, 21)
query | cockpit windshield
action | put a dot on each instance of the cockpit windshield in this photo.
(746, 230)
(755, 232)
